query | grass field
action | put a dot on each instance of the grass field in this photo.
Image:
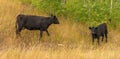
(68, 40)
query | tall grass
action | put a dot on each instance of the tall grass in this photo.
(68, 40)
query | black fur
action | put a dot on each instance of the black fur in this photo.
(32, 22)
(100, 30)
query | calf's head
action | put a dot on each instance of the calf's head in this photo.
(93, 30)
(54, 19)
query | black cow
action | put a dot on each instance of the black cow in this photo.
(100, 30)
(32, 22)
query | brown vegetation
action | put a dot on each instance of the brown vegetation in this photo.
(69, 40)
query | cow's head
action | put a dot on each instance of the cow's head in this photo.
(54, 19)
(93, 30)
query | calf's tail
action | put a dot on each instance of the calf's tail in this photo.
(106, 28)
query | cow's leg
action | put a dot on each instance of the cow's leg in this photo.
(20, 26)
(47, 33)
(106, 37)
(18, 32)
(41, 32)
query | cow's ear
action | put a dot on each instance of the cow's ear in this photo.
(90, 28)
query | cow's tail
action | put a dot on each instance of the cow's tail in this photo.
(16, 22)
(16, 25)
(17, 18)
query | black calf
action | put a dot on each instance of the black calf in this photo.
(100, 30)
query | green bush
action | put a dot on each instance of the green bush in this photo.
(90, 11)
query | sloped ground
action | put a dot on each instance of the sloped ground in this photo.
(68, 40)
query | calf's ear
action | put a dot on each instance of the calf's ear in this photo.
(109, 20)
(51, 15)
(90, 28)
(96, 28)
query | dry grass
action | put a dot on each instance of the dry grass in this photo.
(68, 40)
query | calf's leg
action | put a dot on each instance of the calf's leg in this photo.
(98, 40)
(102, 37)
(93, 41)
(106, 37)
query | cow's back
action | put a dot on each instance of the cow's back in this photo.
(36, 22)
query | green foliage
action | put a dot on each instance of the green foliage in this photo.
(26, 1)
(90, 11)
(49, 6)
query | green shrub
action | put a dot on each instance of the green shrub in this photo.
(90, 11)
